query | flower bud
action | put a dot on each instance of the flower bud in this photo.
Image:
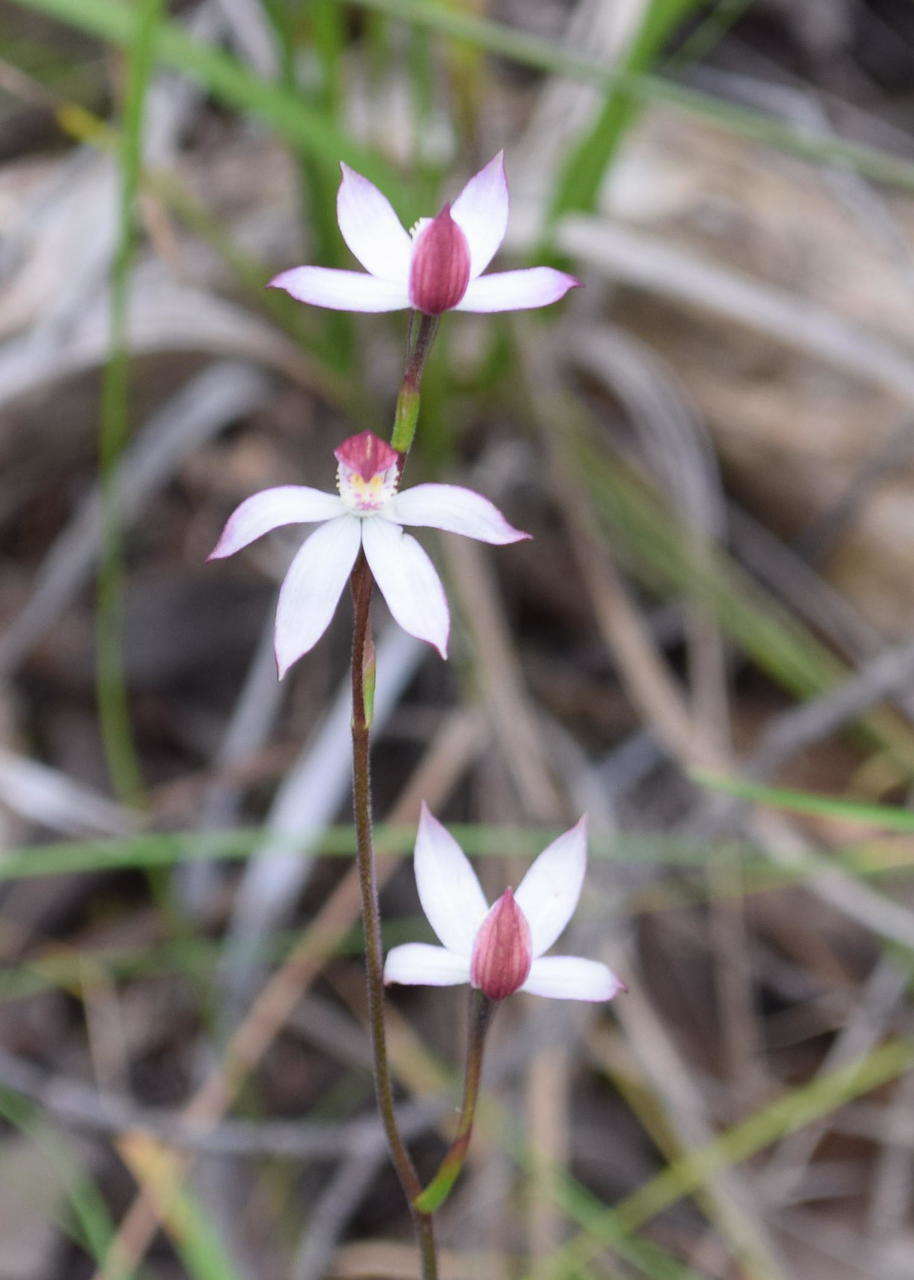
(502, 953)
(440, 270)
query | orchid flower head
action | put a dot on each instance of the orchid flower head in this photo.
(499, 950)
(368, 514)
(436, 268)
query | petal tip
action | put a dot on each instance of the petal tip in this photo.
(279, 281)
(442, 645)
(282, 663)
(428, 823)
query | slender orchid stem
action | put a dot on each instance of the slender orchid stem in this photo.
(363, 667)
(422, 331)
(480, 1016)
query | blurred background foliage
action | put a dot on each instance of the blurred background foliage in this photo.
(707, 645)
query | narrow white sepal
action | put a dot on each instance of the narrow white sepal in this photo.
(418, 963)
(312, 587)
(271, 508)
(408, 581)
(455, 510)
(549, 892)
(571, 978)
(372, 229)
(342, 290)
(451, 896)
(516, 290)
(481, 212)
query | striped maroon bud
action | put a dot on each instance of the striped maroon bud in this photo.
(502, 953)
(440, 270)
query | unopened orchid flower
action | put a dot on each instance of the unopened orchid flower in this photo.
(368, 514)
(499, 950)
(435, 269)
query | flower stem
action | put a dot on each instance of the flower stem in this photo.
(437, 1191)
(422, 330)
(362, 584)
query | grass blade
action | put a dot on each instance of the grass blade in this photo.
(584, 168)
(111, 686)
(757, 126)
(878, 815)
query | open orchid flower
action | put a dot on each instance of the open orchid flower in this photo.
(499, 950)
(437, 268)
(367, 513)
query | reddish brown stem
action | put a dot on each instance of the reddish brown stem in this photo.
(362, 585)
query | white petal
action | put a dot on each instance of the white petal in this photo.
(342, 290)
(257, 515)
(549, 892)
(417, 963)
(516, 290)
(570, 978)
(408, 582)
(312, 587)
(481, 212)
(371, 228)
(449, 891)
(456, 510)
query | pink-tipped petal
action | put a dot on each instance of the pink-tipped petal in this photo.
(342, 290)
(516, 290)
(257, 515)
(440, 269)
(418, 964)
(571, 978)
(455, 510)
(481, 211)
(312, 588)
(449, 891)
(408, 582)
(371, 228)
(549, 892)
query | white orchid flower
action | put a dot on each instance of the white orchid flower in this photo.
(436, 269)
(499, 950)
(368, 514)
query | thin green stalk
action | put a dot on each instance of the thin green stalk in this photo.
(363, 663)
(481, 1009)
(422, 331)
(111, 686)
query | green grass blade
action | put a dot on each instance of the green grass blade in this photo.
(111, 684)
(757, 126)
(90, 1224)
(795, 1109)
(878, 815)
(193, 1233)
(226, 79)
(657, 550)
(149, 850)
(586, 164)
